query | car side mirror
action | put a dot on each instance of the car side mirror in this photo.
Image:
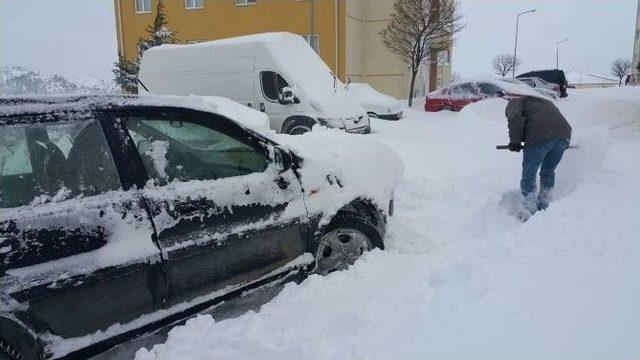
(500, 93)
(282, 159)
(285, 96)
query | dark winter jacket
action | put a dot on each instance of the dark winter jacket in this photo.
(533, 120)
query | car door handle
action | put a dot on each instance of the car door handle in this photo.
(262, 108)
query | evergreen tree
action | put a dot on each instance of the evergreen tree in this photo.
(159, 33)
(126, 74)
(126, 71)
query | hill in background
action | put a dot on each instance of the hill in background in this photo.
(17, 80)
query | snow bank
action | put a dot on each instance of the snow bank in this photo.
(461, 278)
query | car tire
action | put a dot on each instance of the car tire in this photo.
(343, 241)
(446, 108)
(299, 126)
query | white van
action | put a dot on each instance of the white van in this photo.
(277, 73)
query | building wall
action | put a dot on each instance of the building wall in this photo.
(369, 61)
(636, 46)
(220, 19)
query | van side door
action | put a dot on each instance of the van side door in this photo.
(225, 216)
(74, 238)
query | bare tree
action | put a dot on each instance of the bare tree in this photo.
(620, 68)
(504, 63)
(417, 27)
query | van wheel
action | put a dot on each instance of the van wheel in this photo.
(298, 126)
(344, 241)
(299, 130)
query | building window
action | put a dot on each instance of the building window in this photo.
(245, 2)
(143, 6)
(314, 41)
(193, 4)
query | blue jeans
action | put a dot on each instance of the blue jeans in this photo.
(544, 156)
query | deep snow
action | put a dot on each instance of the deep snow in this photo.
(462, 279)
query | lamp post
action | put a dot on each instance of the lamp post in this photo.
(515, 47)
(558, 43)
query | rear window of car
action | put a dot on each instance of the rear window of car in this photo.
(54, 161)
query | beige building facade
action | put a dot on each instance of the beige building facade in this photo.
(636, 48)
(367, 59)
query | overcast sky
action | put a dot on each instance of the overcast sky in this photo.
(77, 37)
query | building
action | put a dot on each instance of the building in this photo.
(584, 80)
(635, 74)
(343, 32)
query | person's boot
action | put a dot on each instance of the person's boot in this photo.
(544, 198)
(529, 206)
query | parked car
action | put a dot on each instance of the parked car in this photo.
(458, 95)
(276, 73)
(539, 84)
(554, 76)
(542, 90)
(377, 105)
(119, 214)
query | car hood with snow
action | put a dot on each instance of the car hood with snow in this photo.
(374, 101)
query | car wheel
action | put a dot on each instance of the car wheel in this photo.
(344, 241)
(373, 115)
(299, 129)
(446, 108)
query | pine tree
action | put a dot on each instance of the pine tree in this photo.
(126, 71)
(159, 32)
(126, 74)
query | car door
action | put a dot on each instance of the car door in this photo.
(268, 92)
(73, 238)
(225, 216)
(488, 90)
(463, 94)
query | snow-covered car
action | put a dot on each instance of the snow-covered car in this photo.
(553, 76)
(542, 90)
(542, 86)
(460, 94)
(119, 214)
(376, 104)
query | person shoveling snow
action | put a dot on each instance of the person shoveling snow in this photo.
(545, 132)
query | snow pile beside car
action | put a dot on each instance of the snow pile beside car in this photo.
(461, 278)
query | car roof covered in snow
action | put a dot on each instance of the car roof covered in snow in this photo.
(51, 104)
(511, 87)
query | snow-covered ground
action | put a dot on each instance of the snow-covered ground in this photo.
(461, 278)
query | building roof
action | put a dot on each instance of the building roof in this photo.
(581, 77)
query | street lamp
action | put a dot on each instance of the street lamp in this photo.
(515, 47)
(558, 43)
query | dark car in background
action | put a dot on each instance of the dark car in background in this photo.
(119, 214)
(554, 76)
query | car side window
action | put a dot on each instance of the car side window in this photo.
(177, 150)
(47, 161)
(488, 89)
(272, 83)
(462, 91)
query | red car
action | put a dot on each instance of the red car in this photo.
(456, 96)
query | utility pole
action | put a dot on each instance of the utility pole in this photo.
(558, 43)
(515, 47)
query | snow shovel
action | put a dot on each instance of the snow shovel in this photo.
(506, 147)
